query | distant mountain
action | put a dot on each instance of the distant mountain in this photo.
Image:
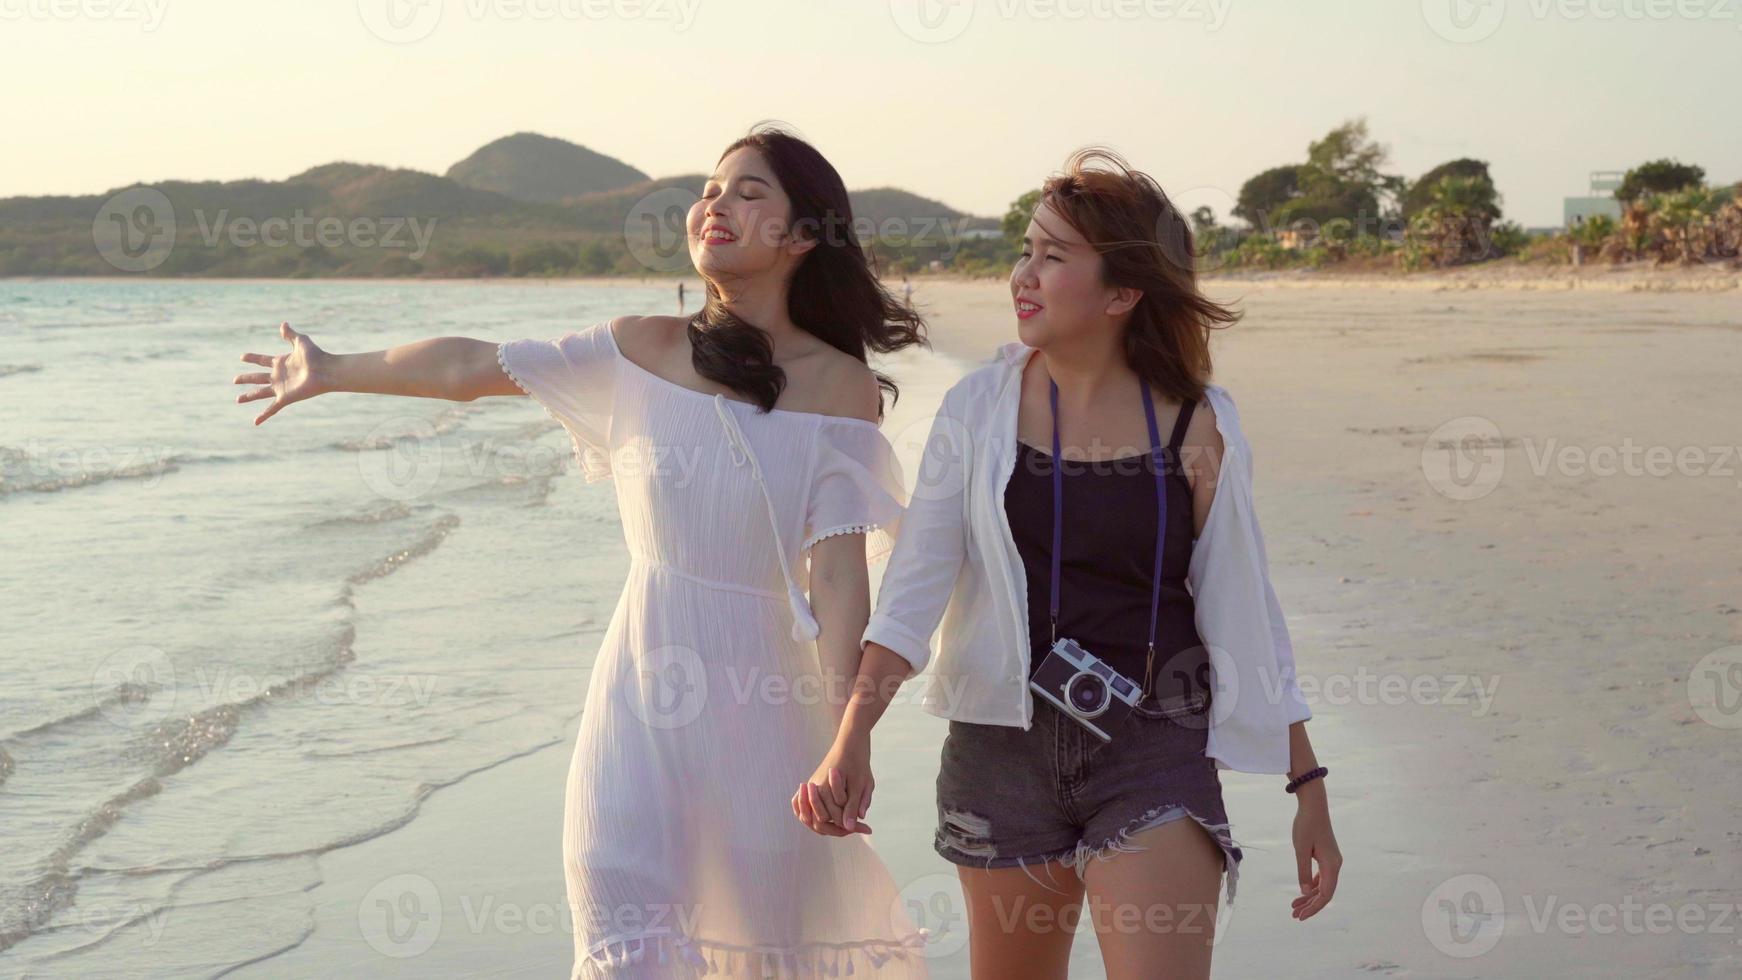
(542, 170)
(366, 189)
(609, 210)
(343, 190)
(893, 212)
(881, 203)
(349, 219)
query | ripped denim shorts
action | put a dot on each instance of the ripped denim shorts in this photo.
(1056, 792)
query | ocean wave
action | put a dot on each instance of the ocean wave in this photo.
(396, 510)
(176, 744)
(21, 473)
(387, 565)
(130, 692)
(11, 483)
(447, 421)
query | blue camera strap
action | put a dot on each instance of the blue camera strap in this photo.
(1058, 520)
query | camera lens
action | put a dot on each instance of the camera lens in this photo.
(1087, 694)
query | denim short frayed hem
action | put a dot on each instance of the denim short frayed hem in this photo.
(1056, 794)
(960, 846)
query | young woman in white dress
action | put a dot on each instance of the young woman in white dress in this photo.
(741, 441)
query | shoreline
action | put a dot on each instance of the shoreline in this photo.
(1498, 275)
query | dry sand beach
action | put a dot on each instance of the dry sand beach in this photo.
(1504, 526)
(1507, 274)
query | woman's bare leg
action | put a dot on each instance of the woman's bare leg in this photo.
(1154, 909)
(1021, 921)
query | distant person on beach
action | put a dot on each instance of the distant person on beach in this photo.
(1082, 761)
(906, 292)
(680, 300)
(748, 461)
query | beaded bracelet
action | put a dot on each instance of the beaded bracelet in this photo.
(1304, 778)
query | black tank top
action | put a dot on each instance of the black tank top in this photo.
(1109, 553)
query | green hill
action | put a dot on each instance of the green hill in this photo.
(880, 204)
(349, 219)
(541, 169)
(609, 211)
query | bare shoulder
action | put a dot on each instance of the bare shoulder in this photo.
(851, 388)
(647, 339)
(1202, 445)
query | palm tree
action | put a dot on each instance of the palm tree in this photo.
(1687, 218)
(1457, 223)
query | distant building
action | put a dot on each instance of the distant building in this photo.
(1600, 199)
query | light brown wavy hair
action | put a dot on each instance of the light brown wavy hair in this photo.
(1145, 243)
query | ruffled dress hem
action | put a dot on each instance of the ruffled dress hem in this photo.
(687, 957)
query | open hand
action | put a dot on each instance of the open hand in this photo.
(291, 377)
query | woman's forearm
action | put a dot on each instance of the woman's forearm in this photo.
(453, 368)
(1301, 758)
(1300, 750)
(840, 598)
(881, 673)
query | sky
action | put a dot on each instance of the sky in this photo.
(971, 102)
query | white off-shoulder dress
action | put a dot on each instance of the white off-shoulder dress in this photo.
(706, 709)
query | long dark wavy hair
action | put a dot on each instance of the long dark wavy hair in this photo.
(1144, 243)
(832, 295)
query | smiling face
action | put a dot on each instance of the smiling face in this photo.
(1058, 285)
(741, 226)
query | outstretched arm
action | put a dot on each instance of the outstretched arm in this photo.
(453, 368)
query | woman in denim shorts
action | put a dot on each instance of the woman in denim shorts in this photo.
(1079, 780)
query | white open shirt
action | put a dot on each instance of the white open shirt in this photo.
(956, 561)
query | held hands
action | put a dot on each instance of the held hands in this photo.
(1314, 841)
(293, 377)
(838, 795)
